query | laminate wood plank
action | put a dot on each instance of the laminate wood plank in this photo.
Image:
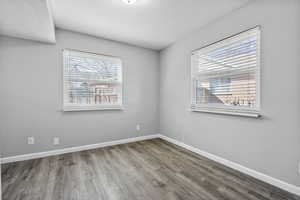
(148, 170)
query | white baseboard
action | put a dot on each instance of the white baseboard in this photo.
(268, 179)
(74, 149)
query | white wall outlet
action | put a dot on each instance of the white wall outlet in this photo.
(30, 140)
(299, 167)
(56, 141)
(138, 127)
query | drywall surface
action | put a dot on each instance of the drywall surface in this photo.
(271, 144)
(31, 95)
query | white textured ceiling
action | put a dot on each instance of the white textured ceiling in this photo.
(152, 24)
(28, 19)
(148, 23)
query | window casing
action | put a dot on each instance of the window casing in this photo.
(225, 76)
(91, 81)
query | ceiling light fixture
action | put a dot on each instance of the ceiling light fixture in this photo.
(129, 1)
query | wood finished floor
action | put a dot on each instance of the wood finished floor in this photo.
(146, 170)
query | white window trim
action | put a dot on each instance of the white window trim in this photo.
(232, 110)
(92, 107)
(83, 107)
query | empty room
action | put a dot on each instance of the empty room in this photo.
(150, 100)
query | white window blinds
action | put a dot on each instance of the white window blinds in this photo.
(91, 81)
(225, 75)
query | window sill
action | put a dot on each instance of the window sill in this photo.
(253, 114)
(91, 108)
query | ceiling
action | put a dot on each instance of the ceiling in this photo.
(28, 19)
(152, 24)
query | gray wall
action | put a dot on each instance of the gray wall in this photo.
(31, 95)
(270, 145)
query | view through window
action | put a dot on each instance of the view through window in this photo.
(225, 75)
(91, 81)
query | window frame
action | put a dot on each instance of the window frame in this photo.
(85, 107)
(226, 109)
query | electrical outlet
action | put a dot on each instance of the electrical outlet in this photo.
(299, 167)
(30, 140)
(56, 141)
(138, 127)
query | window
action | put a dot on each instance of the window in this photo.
(91, 81)
(225, 75)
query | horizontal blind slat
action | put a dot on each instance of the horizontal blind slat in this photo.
(91, 79)
(226, 74)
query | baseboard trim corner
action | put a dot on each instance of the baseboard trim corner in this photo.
(74, 149)
(258, 175)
